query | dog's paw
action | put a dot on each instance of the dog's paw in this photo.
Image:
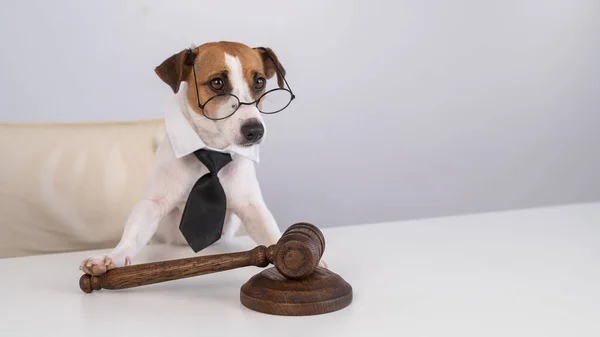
(98, 264)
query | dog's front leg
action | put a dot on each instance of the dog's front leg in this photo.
(260, 223)
(141, 225)
(245, 200)
(169, 181)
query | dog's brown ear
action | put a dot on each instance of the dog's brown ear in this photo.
(270, 62)
(174, 69)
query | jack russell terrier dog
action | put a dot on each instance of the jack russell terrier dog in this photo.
(230, 79)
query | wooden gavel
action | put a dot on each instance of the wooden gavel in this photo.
(295, 256)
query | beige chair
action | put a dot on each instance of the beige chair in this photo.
(67, 187)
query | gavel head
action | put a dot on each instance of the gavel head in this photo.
(299, 250)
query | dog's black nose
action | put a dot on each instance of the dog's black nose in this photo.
(253, 131)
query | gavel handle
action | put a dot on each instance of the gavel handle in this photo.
(156, 272)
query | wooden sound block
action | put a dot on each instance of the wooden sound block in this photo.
(271, 293)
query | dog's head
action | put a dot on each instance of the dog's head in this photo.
(222, 77)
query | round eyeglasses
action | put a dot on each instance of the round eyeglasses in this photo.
(223, 106)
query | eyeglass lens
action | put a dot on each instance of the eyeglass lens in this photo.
(274, 101)
(221, 106)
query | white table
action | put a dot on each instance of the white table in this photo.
(520, 273)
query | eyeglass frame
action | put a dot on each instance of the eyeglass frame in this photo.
(240, 103)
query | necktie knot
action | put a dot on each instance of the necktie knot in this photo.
(213, 160)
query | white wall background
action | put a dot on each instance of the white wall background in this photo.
(405, 109)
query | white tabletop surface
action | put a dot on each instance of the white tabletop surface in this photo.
(520, 273)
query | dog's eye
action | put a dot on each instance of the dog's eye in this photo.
(217, 84)
(260, 83)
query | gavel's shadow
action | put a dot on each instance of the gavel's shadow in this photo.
(208, 285)
(211, 292)
(221, 287)
(204, 286)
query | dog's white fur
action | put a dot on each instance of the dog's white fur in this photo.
(158, 213)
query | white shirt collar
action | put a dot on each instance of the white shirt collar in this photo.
(185, 140)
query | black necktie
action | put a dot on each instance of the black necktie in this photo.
(204, 212)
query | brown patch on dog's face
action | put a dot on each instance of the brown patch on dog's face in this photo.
(213, 76)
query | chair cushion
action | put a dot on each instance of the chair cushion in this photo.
(67, 187)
